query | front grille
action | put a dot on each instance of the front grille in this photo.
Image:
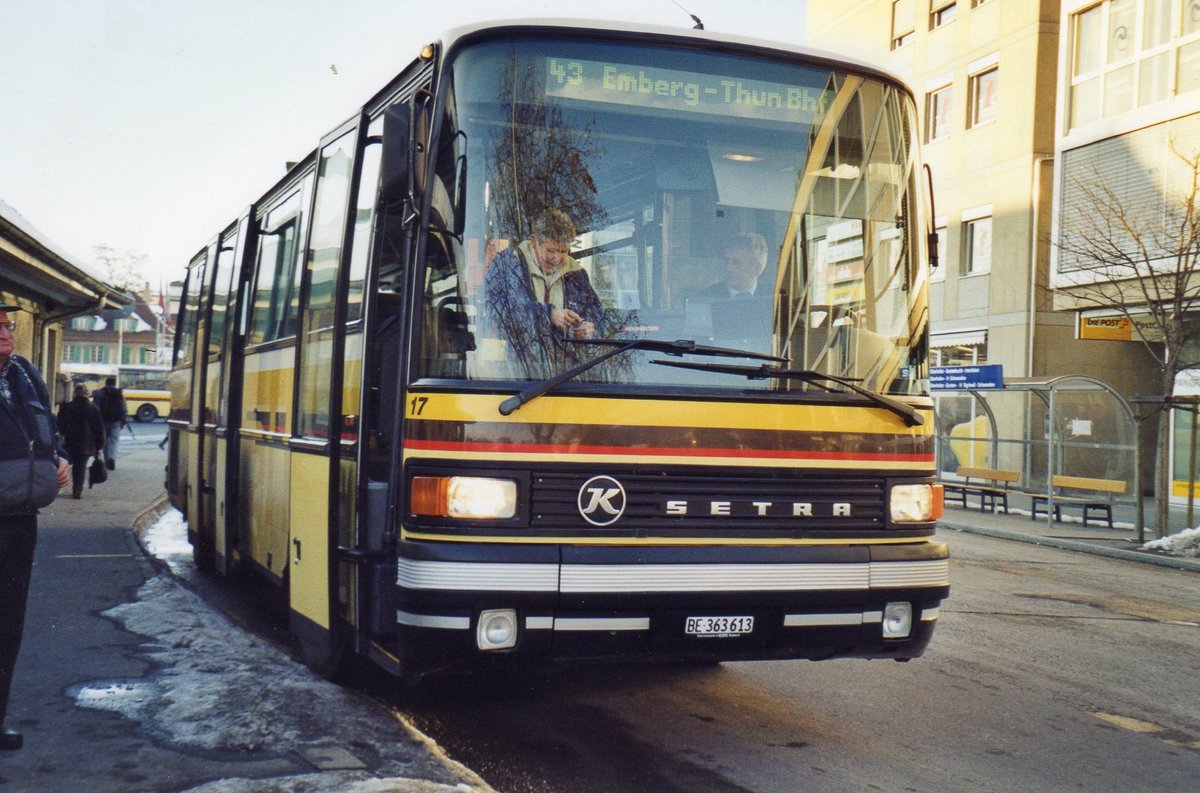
(666, 503)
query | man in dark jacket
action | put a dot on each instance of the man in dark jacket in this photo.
(25, 433)
(111, 401)
(83, 435)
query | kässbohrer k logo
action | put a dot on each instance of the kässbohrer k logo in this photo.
(601, 500)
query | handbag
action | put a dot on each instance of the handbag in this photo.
(97, 471)
(27, 485)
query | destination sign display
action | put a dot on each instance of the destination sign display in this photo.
(672, 89)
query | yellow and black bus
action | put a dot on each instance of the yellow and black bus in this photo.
(372, 406)
(146, 386)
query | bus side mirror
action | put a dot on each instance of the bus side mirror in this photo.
(932, 237)
(395, 165)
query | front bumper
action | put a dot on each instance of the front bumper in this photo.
(815, 602)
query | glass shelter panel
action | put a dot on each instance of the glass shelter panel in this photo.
(1070, 426)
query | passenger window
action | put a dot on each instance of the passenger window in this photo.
(276, 291)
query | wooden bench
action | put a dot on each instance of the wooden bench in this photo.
(992, 494)
(1097, 497)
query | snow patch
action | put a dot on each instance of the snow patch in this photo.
(218, 687)
(355, 782)
(1185, 543)
(214, 686)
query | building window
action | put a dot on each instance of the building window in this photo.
(937, 113)
(903, 22)
(983, 88)
(977, 237)
(941, 12)
(1149, 197)
(978, 3)
(958, 355)
(1126, 54)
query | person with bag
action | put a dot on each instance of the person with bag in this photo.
(111, 401)
(32, 471)
(83, 435)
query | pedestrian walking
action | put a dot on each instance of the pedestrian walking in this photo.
(111, 401)
(83, 435)
(32, 470)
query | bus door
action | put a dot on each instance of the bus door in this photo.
(389, 177)
(266, 373)
(198, 502)
(180, 420)
(216, 516)
(320, 489)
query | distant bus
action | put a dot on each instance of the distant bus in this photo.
(147, 394)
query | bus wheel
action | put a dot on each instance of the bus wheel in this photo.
(324, 653)
(146, 413)
(204, 554)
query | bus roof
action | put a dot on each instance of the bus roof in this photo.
(658, 32)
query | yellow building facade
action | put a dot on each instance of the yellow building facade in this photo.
(985, 74)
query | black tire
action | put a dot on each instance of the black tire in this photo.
(146, 413)
(325, 655)
(204, 554)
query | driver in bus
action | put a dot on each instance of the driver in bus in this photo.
(537, 295)
(743, 260)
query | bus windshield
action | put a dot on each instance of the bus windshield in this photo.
(598, 190)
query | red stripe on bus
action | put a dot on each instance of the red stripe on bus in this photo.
(538, 448)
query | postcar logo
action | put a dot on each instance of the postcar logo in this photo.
(601, 500)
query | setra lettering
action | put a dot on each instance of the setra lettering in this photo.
(763, 509)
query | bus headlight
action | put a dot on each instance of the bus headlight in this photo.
(915, 503)
(470, 497)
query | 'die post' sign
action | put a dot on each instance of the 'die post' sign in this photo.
(966, 378)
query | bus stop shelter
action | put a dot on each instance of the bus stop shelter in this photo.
(1071, 426)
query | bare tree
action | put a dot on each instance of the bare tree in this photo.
(1135, 252)
(124, 268)
(540, 158)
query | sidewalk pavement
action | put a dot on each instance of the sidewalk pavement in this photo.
(1120, 542)
(100, 707)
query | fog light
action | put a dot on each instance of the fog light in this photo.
(897, 620)
(497, 629)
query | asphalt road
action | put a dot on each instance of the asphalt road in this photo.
(1050, 670)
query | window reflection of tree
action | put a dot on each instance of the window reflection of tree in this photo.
(538, 160)
(539, 157)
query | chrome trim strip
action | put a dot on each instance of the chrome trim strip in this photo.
(894, 575)
(813, 620)
(415, 574)
(602, 624)
(929, 615)
(872, 616)
(713, 577)
(584, 578)
(539, 623)
(432, 621)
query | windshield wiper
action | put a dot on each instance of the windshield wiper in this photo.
(677, 347)
(911, 417)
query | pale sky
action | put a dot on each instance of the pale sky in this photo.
(147, 125)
